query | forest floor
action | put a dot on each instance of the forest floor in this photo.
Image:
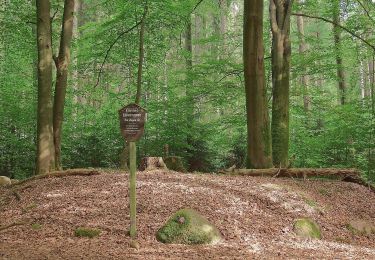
(255, 216)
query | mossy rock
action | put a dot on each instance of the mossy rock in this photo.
(5, 181)
(86, 232)
(188, 227)
(174, 163)
(308, 228)
(361, 227)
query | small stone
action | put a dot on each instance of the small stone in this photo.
(361, 227)
(5, 181)
(134, 244)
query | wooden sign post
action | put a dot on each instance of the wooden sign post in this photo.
(132, 122)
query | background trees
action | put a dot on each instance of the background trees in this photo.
(322, 134)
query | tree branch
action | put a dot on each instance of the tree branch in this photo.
(110, 48)
(366, 11)
(196, 6)
(338, 25)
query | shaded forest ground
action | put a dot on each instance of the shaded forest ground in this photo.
(254, 214)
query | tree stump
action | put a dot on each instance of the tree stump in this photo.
(152, 163)
(174, 163)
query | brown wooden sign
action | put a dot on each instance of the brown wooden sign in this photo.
(132, 122)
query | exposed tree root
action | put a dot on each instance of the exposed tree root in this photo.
(57, 174)
(12, 225)
(347, 175)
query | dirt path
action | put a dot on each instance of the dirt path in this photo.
(254, 215)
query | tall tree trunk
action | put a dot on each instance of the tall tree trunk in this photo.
(259, 151)
(141, 57)
(302, 49)
(372, 82)
(338, 46)
(62, 63)
(75, 76)
(189, 68)
(45, 148)
(281, 49)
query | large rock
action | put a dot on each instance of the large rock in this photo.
(187, 226)
(307, 228)
(5, 181)
(361, 227)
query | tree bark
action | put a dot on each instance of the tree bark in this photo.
(45, 147)
(302, 50)
(141, 56)
(189, 68)
(371, 88)
(259, 151)
(62, 63)
(281, 50)
(338, 46)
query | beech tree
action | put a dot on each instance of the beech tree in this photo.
(303, 47)
(280, 11)
(45, 161)
(259, 152)
(50, 115)
(338, 48)
(62, 62)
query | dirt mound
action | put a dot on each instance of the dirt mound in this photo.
(255, 216)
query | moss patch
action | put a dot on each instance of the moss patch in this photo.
(308, 228)
(187, 226)
(36, 226)
(86, 232)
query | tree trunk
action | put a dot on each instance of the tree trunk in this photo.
(189, 68)
(281, 50)
(141, 57)
(305, 78)
(45, 148)
(337, 40)
(371, 67)
(62, 63)
(259, 151)
(152, 163)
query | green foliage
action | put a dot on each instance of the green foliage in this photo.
(328, 135)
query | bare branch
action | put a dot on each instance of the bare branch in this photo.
(110, 48)
(338, 25)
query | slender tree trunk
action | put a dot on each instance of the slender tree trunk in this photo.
(45, 148)
(372, 83)
(141, 57)
(62, 64)
(189, 68)
(259, 151)
(75, 76)
(302, 50)
(363, 79)
(223, 4)
(281, 49)
(338, 46)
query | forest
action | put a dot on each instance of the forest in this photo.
(312, 103)
(174, 118)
